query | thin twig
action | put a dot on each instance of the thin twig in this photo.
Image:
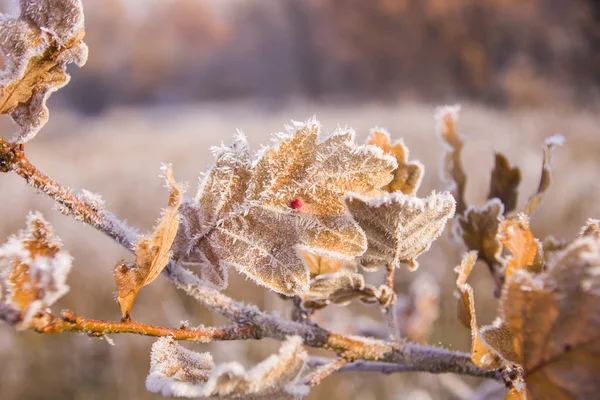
(260, 324)
(390, 309)
(325, 370)
(69, 322)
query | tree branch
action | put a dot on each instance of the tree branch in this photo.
(324, 370)
(258, 324)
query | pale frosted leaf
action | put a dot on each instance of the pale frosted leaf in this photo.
(175, 371)
(554, 320)
(591, 229)
(481, 355)
(498, 338)
(255, 214)
(504, 183)
(549, 145)
(152, 253)
(452, 172)
(399, 227)
(409, 174)
(479, 228)
(37, 46)
(34, 268)
(526, 251)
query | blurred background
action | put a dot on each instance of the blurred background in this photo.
(166, 79)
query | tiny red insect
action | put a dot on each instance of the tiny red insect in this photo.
(296, 203)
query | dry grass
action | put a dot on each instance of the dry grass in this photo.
(119, 154)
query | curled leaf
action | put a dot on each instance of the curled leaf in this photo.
(37, 46)
(526, 250)
(504, 183)
(152, 253)
(254, 214)
(34, 268)
(481, 355)
(549, 145)
(319, 265)
(399, 227)
(453, 172)
(176, 371)
(479, 228)
(409, 174)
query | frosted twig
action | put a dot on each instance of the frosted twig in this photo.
(325, 370)
(390, 309)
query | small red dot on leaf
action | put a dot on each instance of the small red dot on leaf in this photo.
(296, 203)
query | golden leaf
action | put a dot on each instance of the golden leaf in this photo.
(399, 227)
(446, 117)
(409, 174)
(152, 253)
(479, 230)
(34, 268)
(526, 250)
(554, 321)
(481, 355)
(176, 371)
(549, 145)
(504, 183)
(37, 46)
(255, 214)
(319, 265)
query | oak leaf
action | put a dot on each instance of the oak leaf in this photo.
(176, 371)
(526, 251)
(256, 213)
(549, 145)
(37, 46)
(399, 227)
(481, 354)
(453, 171)
(34, 268)
(319, 265)
(409, 174)
(152, 253)
(504, 183)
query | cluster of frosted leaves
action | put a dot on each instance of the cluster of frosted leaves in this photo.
(37, 46)
(176, 371)
(549, 320)
(152, 252)
(34, 269)
(399, 227)
(254, 213)
(341, 288)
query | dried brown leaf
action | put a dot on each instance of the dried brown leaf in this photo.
(479, 227)
(409, 174)
(549, 145)
(399, 227)
(37, 46)
(34, 268)
(504, 183)
(152, 253)
(319, 265)
(526, 251)
(499, 338)
(255, 214)
(453, 172)
(176, 371)
(554, 320)
(481, 355)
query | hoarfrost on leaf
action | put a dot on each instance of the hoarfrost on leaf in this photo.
(549, 145)
(256, 213)
(34, 268)
(37, 46)
(176, 371)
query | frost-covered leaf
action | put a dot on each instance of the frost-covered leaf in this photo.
(549, 145)
(399, 227)
(152, 253)
(481, 355)
(526, 251)
(498, 338)
(37, 46)
(554, 320)
(176, 371)
(254, 214)
(319, 265)
(409, 174)
(504, 183)
(479, 228)
(453, 172)
(341, 288)
(34, 268)
(591, 229)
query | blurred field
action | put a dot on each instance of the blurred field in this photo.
(118, 155)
